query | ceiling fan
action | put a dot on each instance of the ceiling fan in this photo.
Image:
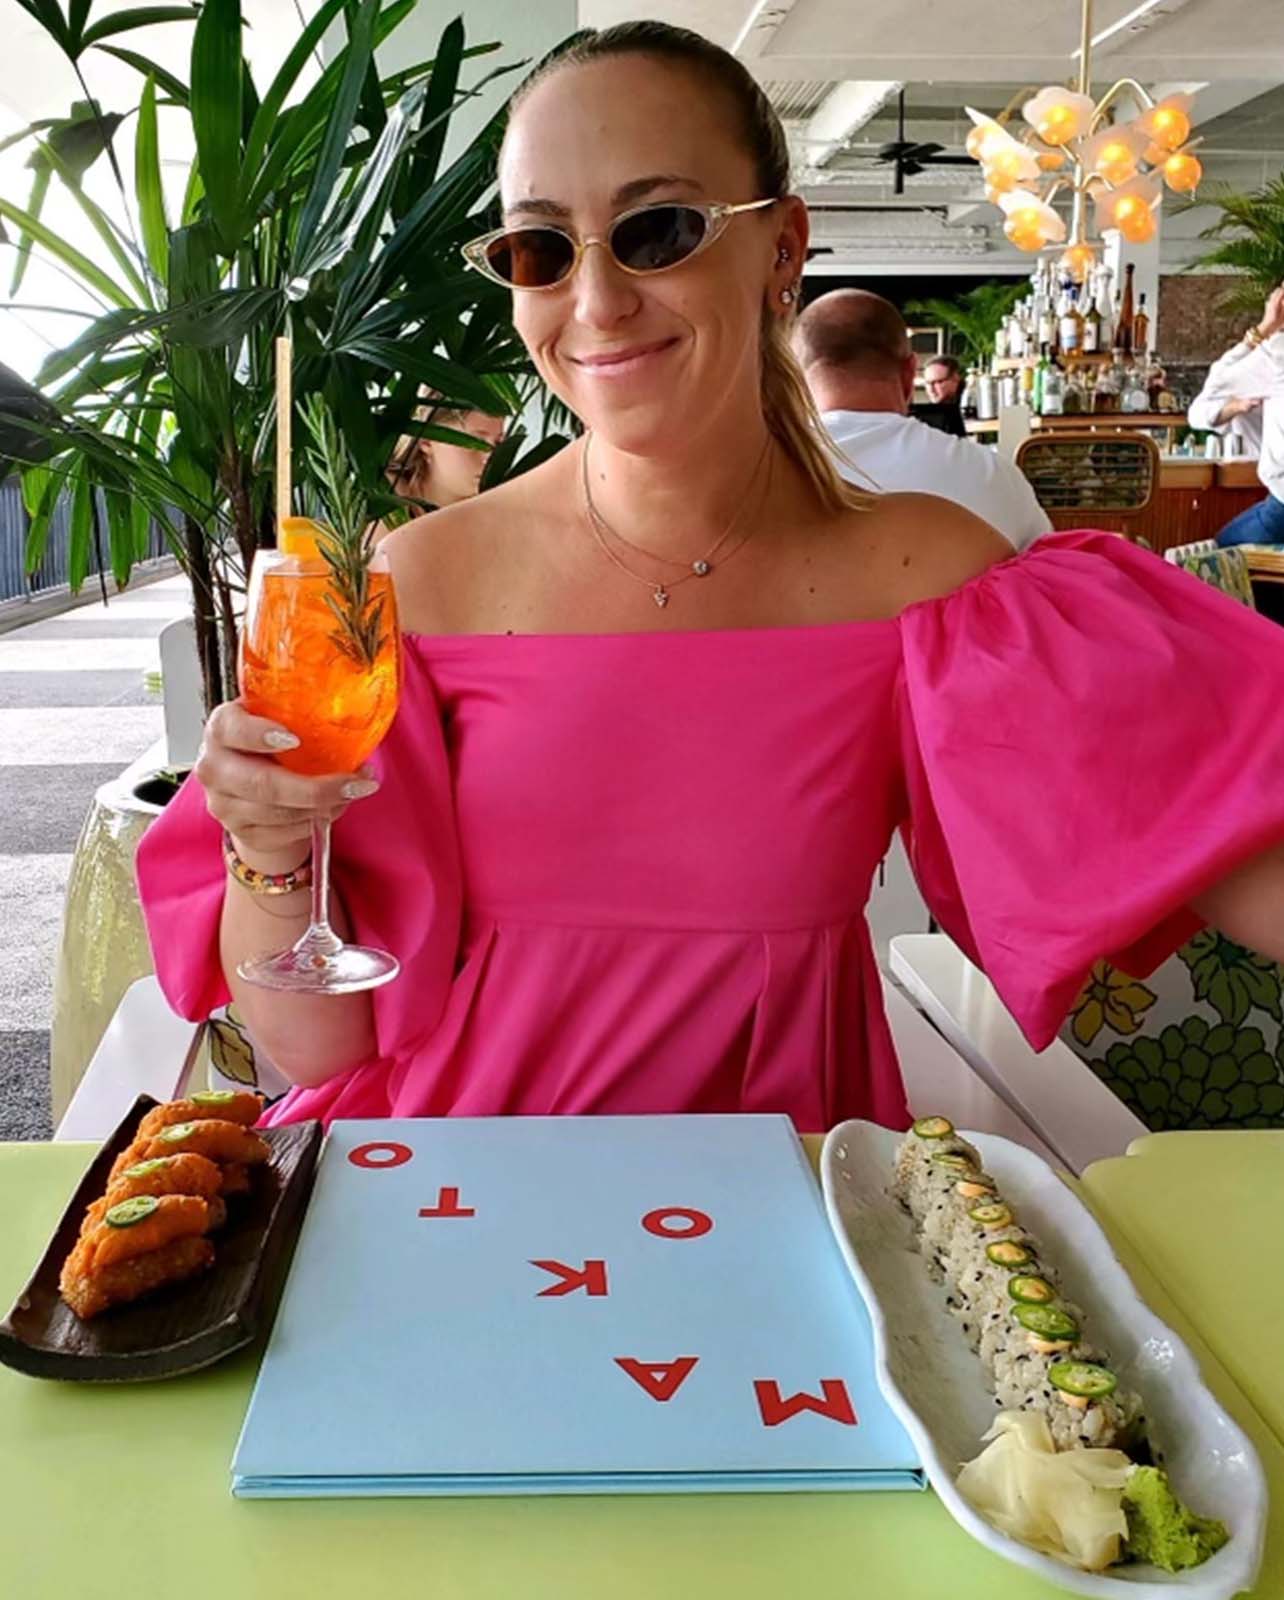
(909, 158)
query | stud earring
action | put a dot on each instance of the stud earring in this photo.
(786, 297)
(783, 256)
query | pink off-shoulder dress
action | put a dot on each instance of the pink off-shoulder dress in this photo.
(627, 872)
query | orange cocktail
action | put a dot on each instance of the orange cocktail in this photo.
(300, 668)
(294, 670)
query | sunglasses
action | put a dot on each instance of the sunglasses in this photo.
(649, 239)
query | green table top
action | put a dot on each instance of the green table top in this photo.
(107, 1492)
(1206, 1212)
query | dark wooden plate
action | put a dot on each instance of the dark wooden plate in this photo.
(189, 1325)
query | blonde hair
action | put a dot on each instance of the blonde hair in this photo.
(787, 405)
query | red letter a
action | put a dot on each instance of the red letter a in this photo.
(776, 1409)
(660, 1379)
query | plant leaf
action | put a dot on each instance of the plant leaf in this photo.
(174, 87)
(81, 528)
(339, 126)
(137, 17)
(266, 117)
(147, 183)
(217, 76)
(81, 265)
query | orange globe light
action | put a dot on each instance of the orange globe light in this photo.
(1115, 162)
(1077, 261)
(1182, 172)
(1138, 227)
(999, 180)
(1058, 124)
(1023, 237)
(1170, 126)
(1127, 208)
(1051, 160)
(1155, 155)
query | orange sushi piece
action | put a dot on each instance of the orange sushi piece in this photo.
(90, 1293)
(173, 1217)
(216, 1140)
(223, 1105)
(181, 1174)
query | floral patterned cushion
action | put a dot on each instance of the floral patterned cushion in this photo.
(1199, 1044)
(1226, 570)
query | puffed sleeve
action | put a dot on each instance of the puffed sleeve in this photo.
(394, 866)
(1091, 739)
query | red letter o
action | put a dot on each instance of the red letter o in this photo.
(366, 1155)
(700, 1222)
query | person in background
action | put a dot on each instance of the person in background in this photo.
(943, 380)
(429, 474)
(943, 409)
(1245, 389)
(855, 353)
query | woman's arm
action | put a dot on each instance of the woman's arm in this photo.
(1248, 905)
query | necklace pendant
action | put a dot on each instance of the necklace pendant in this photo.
(702, 569)
(661, 597)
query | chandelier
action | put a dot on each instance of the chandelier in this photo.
(1071, 142)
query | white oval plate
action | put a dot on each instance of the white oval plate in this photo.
(940, 1392)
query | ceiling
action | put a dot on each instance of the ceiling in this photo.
(834, 69)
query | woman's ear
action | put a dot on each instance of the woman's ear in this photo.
(792, 234)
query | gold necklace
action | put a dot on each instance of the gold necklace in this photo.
(598, 526)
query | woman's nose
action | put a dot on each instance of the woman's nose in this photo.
(604, 293)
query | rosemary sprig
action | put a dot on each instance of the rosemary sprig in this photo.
(346, 538)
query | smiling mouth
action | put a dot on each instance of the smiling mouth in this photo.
(617, 362)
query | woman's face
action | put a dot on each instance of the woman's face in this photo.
(455, 470)
(647, 362)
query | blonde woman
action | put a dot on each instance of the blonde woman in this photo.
(668, 695)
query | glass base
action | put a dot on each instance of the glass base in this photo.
(346, 970)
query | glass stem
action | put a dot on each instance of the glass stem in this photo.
(320, 940)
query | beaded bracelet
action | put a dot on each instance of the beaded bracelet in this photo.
(264, 882)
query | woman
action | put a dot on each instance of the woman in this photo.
(668, 695)
(432, 473)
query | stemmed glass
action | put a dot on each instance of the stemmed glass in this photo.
(336, 690)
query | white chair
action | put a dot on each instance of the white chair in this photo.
(145, 1050)
(1052, 1091)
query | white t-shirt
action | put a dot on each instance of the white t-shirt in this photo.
(1253, 374)
(901, 453)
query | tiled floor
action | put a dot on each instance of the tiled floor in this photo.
(73, 712)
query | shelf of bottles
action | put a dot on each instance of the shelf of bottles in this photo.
(1067, 349)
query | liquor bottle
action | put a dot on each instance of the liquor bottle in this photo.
(967, 400)
(1124, 320)
(1026, 391)
(1054, 390)
(1075, 399)
(1102, 301)
(1134, 398)
(1040, 373)
(1047, 329)
(1070, 323)
(1141, 329)
(987, 397)
(1091, 329)
(1105, 392)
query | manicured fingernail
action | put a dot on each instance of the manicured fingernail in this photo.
(279, 739)
(358, 790)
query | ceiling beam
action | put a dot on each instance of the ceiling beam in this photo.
(844, 111)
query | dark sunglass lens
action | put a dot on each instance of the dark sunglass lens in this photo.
(658, 237)
(531, 258)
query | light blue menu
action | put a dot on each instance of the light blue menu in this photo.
(565, 1305)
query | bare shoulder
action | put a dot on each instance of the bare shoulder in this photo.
(927, 547)
(440, 562)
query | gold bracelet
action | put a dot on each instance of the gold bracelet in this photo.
(270, 883)
(1252, 338)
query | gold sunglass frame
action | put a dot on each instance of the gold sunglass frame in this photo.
(717, 217)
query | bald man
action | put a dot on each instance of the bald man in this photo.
(854, 350)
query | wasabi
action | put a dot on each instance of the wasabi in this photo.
(1161, 1530)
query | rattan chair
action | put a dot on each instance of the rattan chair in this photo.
(1111, 475)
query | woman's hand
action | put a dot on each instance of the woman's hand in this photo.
(267, 809)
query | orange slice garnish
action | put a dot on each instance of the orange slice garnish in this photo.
(297, 536)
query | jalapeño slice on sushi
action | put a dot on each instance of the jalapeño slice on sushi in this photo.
(933, 1127)
(1008, 1253)
(976, 1186)
(1031, 1291)
(1082, 1379)
(144, 1169)
(954, 1161)
(994, 1214)
(128, 1212)
(213, 1097)
(1048, 1322)
(176, 1131)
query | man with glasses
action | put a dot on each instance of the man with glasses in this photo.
(854, 350)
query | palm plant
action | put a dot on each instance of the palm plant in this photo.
(1250, 235)
(975, 318)
(332, 219)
